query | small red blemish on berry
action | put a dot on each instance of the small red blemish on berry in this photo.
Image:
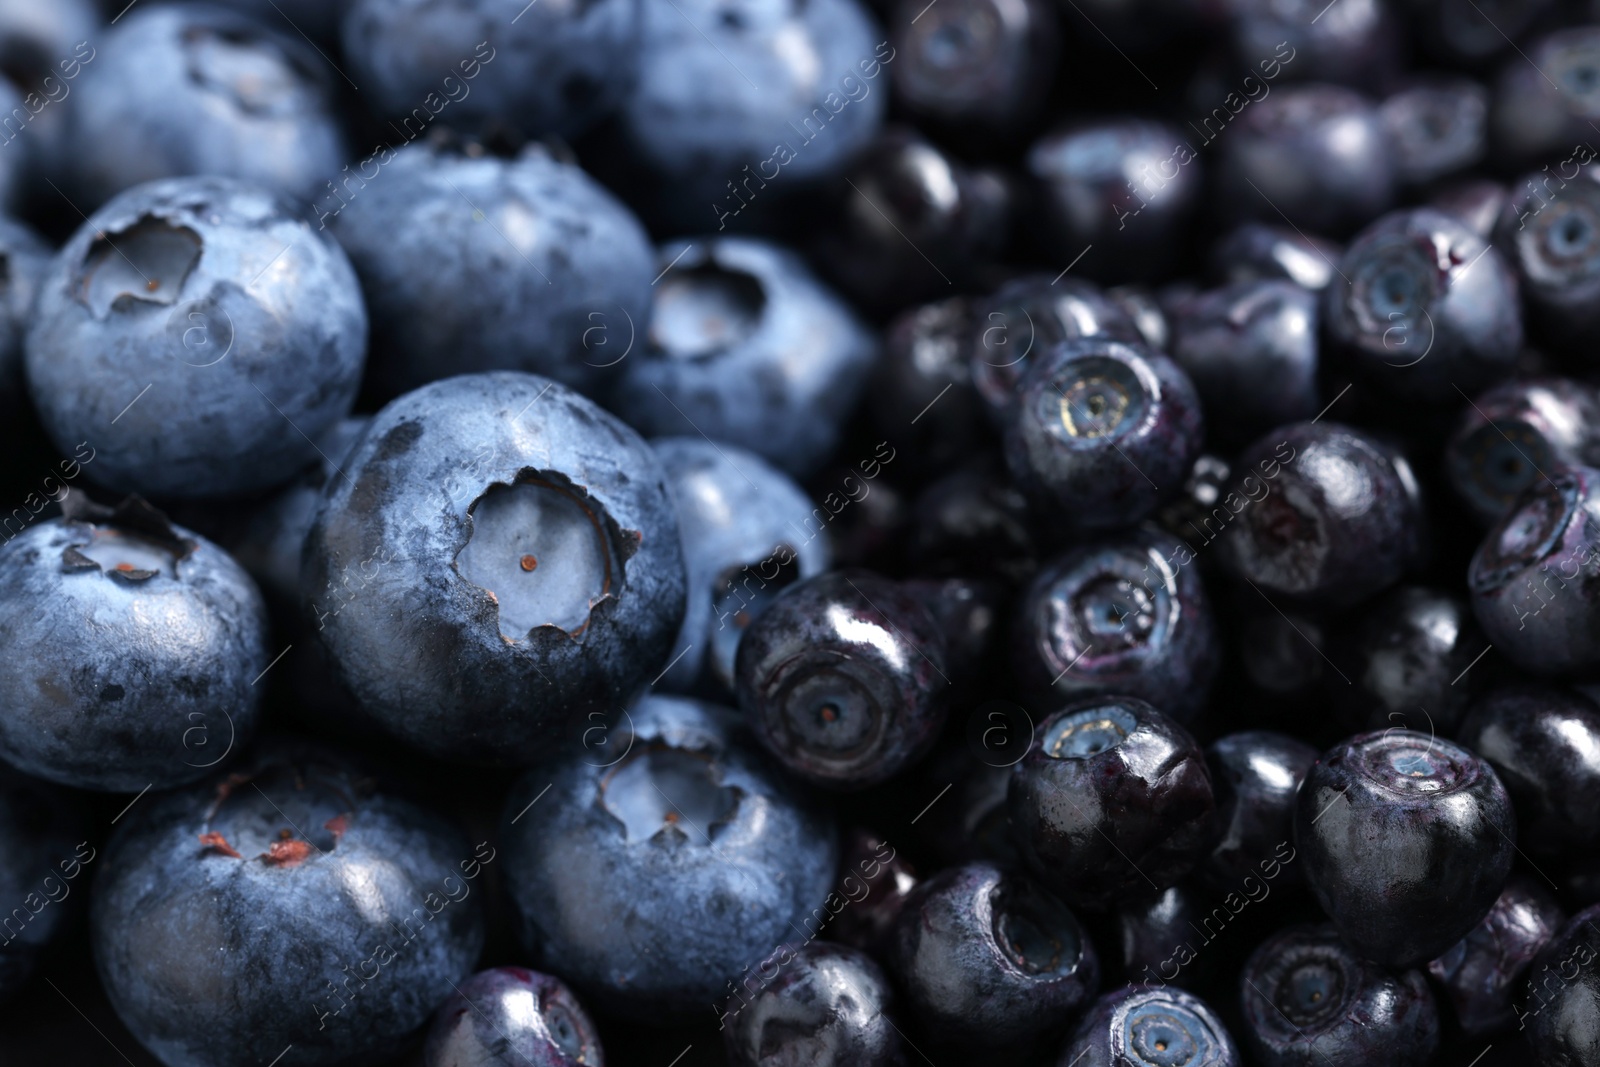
(337, 825)
(671, 816)
(212, 839)
(529, 562)
(521, 974)
(124, 567)
(287, 853)
(153, 284)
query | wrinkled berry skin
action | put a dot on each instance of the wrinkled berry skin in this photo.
(1334, 515)
(1255, 774)
(844, 678)
(1542, 108)
(1516, 430)
(1256, 251)
(512, 1017)
(746, 345)
(1113, 798)
(129, 650)
(1482, 972)
(979, 67)
(245, 325)
(991, 959)
(1424, 307)
(1251, 350)
(1120, 616)
(1407, 660)
(1308, 1000)
(1125, 186)
(1549, 231)
(620, 889)
(824, 1005)
(1406, 839)
(1140, 1026)
(42, 840)
(925, 350)
(213, 914)
(411, 577)
(1437, 127)
(554, 69)
(179, 89)
(1561, 1000)
(481, 263)
(1317, 153)
(1544, 743)
(1535, 580)
(740, 520)
(1101, 430)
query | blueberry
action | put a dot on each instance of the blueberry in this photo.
(472, 262)
(494, 63)
(1533, 578)
(1112, 799)
(1251, 350)
(1473, 33)
(1424, 308)
(183, 89)
(991, 959)
(824, 1006)
(921, 390)
(1407, 841)
(1137, 1026)
(1255, 775)
(499, 555)
(1544, 743)
(285, 903)
(1143, 307)
(1476, 201)
(200, 335)
(1360, 47)
(653, 881)
(1101, 431)
(973, 521)
(1561, 1001)
(1128, 186)
(1481, 973)
(1158, 938)
(1119, 616)
(1438, 127)
(1308, 999)
(1255, 251)
(1508, 436)
(1316, 155)
(740, 520)
(746, 346)
(1280, 651)
(873, 868)
(1542, 108)
(512, 1017)
(1549, 230)
(980, 67)
(968, 614)
(1332, 517)
(41, 837)
(844, 678)
(131, 648)
(24, 257)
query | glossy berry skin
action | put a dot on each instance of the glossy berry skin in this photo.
(1308, 999)
(245, 325)
(1254, 774)
(746, 345)
(493, 63)
(1476, 201)
(1536, 116)
(991, 959)
(696, 850)
(1508, 435)
(499, 556)
(341, 942)
(129, 648)
(871, 867)
(973, 521)
(844, 678)
(1256, 251)
(1251, 351)
(822, 1005)
(1333, 517)
(980, 67)
(512, 1017)
(741, 522)
(1317, 153)
(42, 837)
(473, 262)
(1534, 579)
(1561, 1001)
(1101, 429)
(1544, 743)
(1126, 186)
(925, 349)
(1119, 616)
(1424, 307)
(184, 89)
(1158, 936)
(1141, 1026)
(1112, 798)
(1437, 127)
(1482, 972)
(1549, 231)
(1406, 841)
